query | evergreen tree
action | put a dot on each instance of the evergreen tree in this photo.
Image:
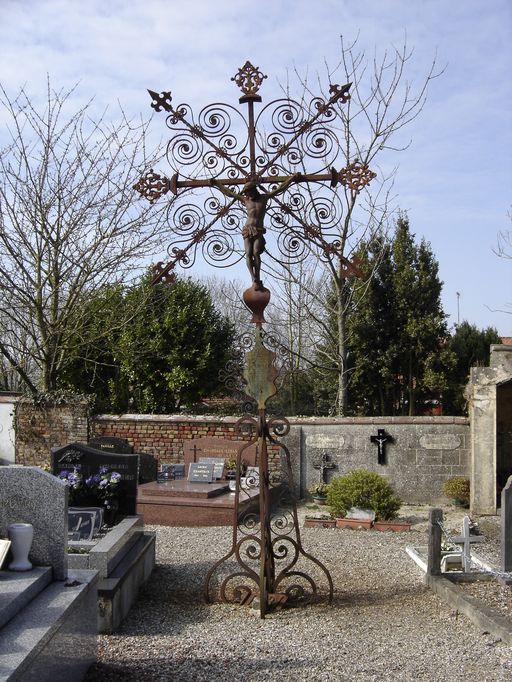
(397, 328)
(167, 352)
(470, 347)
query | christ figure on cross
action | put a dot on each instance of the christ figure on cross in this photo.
(254, 229)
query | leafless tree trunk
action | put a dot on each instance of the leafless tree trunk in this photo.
(382, 104)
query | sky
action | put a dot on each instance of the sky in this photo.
(455, 179)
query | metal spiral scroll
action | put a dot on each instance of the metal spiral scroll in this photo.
(292, 576)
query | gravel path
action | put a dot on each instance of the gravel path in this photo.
(384, 624)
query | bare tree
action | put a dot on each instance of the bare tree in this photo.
(382, 103)
(69, 223)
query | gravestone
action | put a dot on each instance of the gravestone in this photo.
(506, 527)
(218, 465)
(120, 446)
(90, 460)
(200, 472)
(197, 448)
(30, 495)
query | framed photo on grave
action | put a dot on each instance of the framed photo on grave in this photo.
(200, 472)
(4, 548)
(170, 472)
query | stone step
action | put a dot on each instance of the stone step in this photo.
(54, 637)
(17, 589)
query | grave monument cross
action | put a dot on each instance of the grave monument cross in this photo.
(324, 465)
(380, 440)
(251, 174)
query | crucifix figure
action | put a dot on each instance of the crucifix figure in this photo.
(254, 230)
(323, 465)
(381, 439)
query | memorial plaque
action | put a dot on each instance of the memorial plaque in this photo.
(171, 472)
(111, 444)
(90, 460)
(218, 465)
(81, 524)
(99, 511)
(201, 472)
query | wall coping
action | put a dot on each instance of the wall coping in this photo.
(295, 421)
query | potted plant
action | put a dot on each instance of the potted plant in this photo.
(362, 489)
(230, 468)
(457, 488)
(318, 492)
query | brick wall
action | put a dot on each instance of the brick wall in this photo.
(163, 435)
(425, 450)
(40, 428)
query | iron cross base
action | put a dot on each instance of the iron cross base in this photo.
(267, 561)
(267, 566)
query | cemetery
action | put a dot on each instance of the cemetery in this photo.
(177, 546)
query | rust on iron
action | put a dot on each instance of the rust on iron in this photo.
(253, 180)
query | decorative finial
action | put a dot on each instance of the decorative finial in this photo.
(249, 78)
(356, 176)
(161, 100)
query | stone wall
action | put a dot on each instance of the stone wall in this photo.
(42, 427)
(491, 428)
(424, 453)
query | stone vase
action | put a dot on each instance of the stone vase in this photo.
(21, 536)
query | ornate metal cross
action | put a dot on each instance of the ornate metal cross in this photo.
(264, 166)
(324, 465)
(253, 168)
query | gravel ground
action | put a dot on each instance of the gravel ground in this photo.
(384, 624)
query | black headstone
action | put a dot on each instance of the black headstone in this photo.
(147, 463)
(90, 461)
(201, 472)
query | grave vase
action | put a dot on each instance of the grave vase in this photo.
(21, 536)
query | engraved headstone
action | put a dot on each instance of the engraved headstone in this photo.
(111, 444)
(218, 465)
(90, 460)
(201, 472)
(222, 448)
(120, 446)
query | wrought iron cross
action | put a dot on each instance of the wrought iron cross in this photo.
(323, 465)
(252, 176)
(251, 172)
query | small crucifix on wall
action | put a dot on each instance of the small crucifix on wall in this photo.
(322, 465)
(381, 439)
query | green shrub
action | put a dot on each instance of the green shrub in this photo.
(363, 489)
(457, 488)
